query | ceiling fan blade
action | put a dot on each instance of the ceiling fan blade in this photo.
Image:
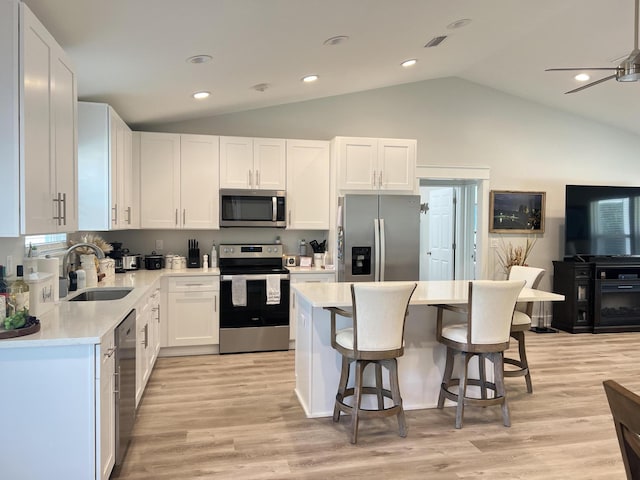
(591, 84)
(578, 69)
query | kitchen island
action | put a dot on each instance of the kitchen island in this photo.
(421, 367)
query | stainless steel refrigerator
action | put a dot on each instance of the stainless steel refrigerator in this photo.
(378, 238)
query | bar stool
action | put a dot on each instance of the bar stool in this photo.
(522, 322)
(485, 334)
(376, 337)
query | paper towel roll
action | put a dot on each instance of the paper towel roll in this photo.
(51, 265)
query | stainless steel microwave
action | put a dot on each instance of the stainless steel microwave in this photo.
(252, 208)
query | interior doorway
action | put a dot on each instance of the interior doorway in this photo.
(454, 222)
(448, 229)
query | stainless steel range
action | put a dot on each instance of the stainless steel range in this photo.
(254, 299)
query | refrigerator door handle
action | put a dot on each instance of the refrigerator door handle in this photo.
(383, 252)
(376, 256)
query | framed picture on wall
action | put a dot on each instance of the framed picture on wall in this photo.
(516, 212)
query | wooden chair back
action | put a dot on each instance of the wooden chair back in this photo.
(625, 408)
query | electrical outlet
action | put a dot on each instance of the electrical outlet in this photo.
(494, 243)
(159, 244)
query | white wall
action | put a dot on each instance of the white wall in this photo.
(526, 145)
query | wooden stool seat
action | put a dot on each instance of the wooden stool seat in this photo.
(485, 335)
(376, 338)
(522, 322)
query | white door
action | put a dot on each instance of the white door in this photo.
(236, 162)
(269, 164)
(441, 222)
(199, 182)
(159, 180)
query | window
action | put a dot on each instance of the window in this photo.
(47, 243)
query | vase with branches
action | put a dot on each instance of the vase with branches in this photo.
(509, 255)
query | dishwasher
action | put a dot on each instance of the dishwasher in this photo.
(125, 390)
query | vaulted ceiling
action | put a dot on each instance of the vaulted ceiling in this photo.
(133, 53)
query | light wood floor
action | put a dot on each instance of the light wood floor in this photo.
(237, 417)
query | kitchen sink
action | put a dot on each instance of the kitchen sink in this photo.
(99, 294)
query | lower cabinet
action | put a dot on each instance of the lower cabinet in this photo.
(193, 310)
(148, 338)
(315, 277)
(106, 406)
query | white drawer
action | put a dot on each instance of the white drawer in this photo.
(199, 283)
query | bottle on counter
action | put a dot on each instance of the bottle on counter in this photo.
(19, 293)
(303, 248)
(4, 295)
(214, 256)
(205, 262)
(81, 278)
(91, 274)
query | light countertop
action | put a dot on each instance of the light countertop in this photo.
(335, 294)
(73, 323)
(309, 270)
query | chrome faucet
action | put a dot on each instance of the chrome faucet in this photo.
(65, 260)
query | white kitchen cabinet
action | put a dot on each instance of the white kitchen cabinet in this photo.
(310, 276)
(252, 163)
(38, 125)
(192, 310)
(154, 303)
(106, 406)
(178, 180)
(375, 164)
(105, 169)
(308, 184)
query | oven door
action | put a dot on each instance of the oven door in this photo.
(256, 326)
(256, 313)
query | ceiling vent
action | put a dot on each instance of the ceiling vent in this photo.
(435, 41)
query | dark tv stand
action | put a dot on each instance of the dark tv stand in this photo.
(602, 295)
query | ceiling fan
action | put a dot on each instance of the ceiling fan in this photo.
(627, 71)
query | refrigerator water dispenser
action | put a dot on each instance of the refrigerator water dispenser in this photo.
(361, 261)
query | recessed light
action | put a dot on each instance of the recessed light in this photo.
(337, 40)
(409, 63)
(463, 22)
(582, 77)
(197, 59)
(310, 78)
(201, 95)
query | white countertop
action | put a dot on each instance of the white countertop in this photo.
(73, 323)
(427, 293)
(308, 270)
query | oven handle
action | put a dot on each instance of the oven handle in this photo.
(251, 277)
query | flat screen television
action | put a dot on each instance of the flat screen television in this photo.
(602, 221)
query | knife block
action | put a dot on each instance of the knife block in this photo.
(193, 260)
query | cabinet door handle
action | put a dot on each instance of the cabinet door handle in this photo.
(250, 179)
(215, 304)
(114, 219)
(64, 209)
(374, 179)
(57, 203)
(289, 217)
(184, 216)
(128, 215)
(380, 179)
(257, 178)
(116, 375)
(176, 217)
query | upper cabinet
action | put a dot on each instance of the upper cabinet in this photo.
(374, 164)
(308, 184)
(178, 180)
(105, 170)
(38, 128)
(252, 163)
